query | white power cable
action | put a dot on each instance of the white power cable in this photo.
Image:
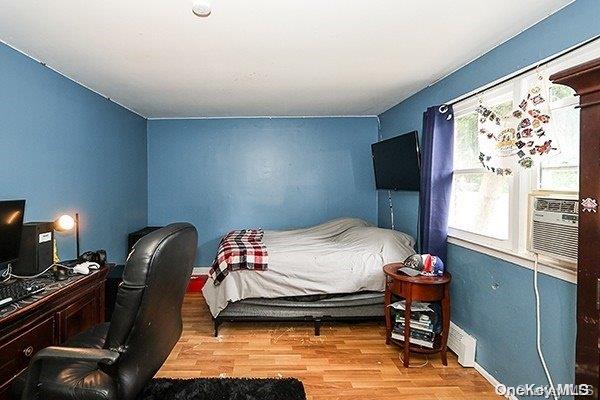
(538, 327)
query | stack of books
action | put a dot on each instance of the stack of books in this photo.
(422, 328)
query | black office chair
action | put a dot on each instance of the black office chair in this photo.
(115, 360)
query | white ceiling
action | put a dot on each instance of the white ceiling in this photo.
(262, 57)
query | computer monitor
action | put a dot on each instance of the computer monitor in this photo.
(11, 225)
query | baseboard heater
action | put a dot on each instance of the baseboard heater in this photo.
(463, 345)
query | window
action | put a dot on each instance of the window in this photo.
(480, 201)
(490, 210)
(561, 172)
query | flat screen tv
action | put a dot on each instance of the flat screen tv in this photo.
(396, 162)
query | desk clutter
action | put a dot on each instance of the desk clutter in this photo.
(43, 286)
(423, 264)
(17, 288)
(425, 323)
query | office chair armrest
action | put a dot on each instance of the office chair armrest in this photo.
(101, 356)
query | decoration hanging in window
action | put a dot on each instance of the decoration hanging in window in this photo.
(519, 138)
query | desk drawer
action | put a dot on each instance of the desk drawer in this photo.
(80, 316)
(17, 353)
(416, 291)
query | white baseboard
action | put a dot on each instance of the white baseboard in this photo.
(462, 344)
(488, 377)
(200, 271)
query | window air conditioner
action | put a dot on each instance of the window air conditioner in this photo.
(554, 226)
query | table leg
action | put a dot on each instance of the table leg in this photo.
(388, 317)
(445, 323)
(407, 333)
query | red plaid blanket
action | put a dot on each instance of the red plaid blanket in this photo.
(242, 249)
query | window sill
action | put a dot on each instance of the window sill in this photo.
(546, 267)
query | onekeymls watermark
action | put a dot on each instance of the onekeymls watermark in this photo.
(545, 391)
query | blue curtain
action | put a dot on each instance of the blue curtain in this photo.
(436, 179)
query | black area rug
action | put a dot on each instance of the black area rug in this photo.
(223, 389)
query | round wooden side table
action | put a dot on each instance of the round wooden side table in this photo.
(418, 288)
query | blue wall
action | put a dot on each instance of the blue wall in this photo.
(502, 319)
(224, 174)
(494, 301)
(64, 148)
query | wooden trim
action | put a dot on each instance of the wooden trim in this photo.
(590, 67)
(585, 79)
(580, 78)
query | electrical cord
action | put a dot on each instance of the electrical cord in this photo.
(418, 235)
(391, 209)
(7, 273)
(415, 365)
(538, 329)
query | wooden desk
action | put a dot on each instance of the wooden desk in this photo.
(48, 318)
(418, 288)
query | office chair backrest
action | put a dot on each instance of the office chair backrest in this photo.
(146, 322)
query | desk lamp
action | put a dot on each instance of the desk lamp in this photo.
(65, 223)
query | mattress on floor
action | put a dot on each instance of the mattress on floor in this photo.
(354, 305)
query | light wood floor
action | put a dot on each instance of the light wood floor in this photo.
(348, 361)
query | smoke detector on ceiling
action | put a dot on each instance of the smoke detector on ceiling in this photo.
(202, 8)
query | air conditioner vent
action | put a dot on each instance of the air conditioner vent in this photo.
(568, 207)
(554, 226)
(541, 205)
(554, 238)
(554, 206)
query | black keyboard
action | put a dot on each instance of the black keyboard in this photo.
(19, 290)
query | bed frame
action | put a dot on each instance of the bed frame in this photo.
(355, 307)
